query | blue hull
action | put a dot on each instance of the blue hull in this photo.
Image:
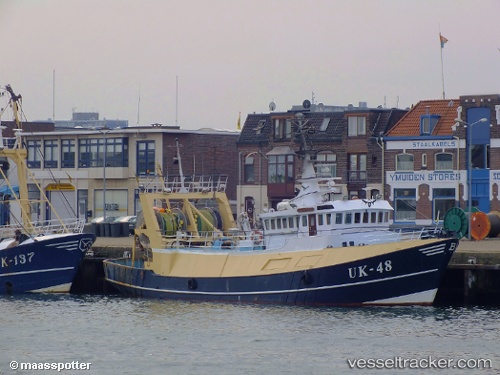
(46, 265)
(408, 276)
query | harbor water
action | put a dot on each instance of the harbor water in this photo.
(116, 335)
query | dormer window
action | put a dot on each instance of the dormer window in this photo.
(356, 125)
(427, 123)
(282, 128)
(260, 126)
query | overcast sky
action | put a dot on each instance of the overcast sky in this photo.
(231, 56)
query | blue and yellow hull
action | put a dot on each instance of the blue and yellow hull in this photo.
(398, 273)
(47, 264)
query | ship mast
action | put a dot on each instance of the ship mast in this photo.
(18, 154)
(305, 152)
(183, 188)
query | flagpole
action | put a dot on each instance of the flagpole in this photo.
(442, 72)
(442, 66)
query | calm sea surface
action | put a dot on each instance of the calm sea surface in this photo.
(135, 336)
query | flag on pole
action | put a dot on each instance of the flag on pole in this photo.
(443, 40)
(238, 127)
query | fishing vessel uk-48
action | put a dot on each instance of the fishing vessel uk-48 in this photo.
(311, 250)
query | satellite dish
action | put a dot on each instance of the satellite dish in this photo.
(306, 104)
(272, 106)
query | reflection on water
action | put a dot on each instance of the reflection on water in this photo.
(151, 336)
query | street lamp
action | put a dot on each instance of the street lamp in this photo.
(469, 166)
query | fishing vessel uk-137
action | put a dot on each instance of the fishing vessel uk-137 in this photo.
(34, 256)
(311, 250)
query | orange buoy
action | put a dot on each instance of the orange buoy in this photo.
(480, 225)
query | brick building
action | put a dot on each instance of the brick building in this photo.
(69, 165)
(426, 158)
(348, 147)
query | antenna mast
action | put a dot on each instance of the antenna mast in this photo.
(176, 98)
(139, 105)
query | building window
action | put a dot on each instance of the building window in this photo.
(68, 153)
(249, 170)
(444, 162)
(91, 152)
(480, 156)
(424, 160)
(280, 169)
(260, 126)
(404, 163)
(146, 155)
(87, 151)
(405, 205)
(427, 123)
(357, 167)
(324, 124)
(116, 152)
(356, 126)
(50, 153)
(282, 128)
(444, 199)
(326, 164)
(35, 201)
(34, 157)
(357, 194)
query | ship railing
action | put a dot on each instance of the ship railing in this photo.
(44, 228)
(9, 142)
(374, 235)
(228, 239)
(369, 235)
(190, 184)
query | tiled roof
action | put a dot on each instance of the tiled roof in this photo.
(409, 125)
(259, 128)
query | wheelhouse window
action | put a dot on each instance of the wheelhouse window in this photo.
(34, 157)
(50, 153)
(326, 164)
(280, 169)
(338, 218)
(348, 218)
(356, 125)
(68, 153)
(444, 162)
(404, 163)
(145, 157)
